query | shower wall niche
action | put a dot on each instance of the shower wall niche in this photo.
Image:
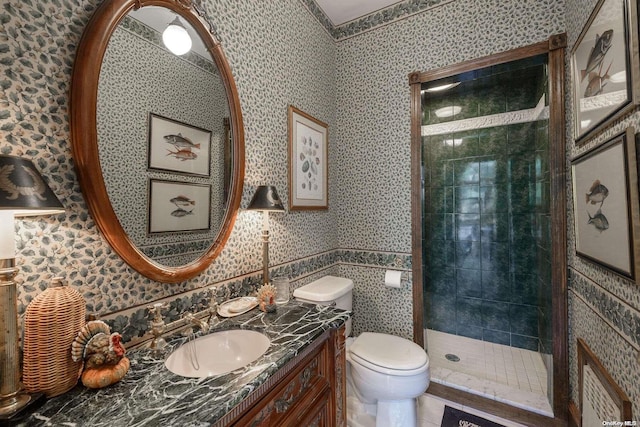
(486, 210)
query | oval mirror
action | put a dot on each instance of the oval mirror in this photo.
(157, 136)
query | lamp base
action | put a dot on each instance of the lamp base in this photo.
(13, 408)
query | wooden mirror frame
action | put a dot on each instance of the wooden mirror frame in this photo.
(84, 139)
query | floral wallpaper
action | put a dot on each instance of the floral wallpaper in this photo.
(274, 64)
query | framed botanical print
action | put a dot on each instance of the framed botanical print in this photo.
(308, 169)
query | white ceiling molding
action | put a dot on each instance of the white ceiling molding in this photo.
(346, 18)
(343, 11)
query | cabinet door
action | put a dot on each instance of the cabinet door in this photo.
(319, 415)
(289, 401)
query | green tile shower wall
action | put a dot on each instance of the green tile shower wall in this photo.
(487, 225)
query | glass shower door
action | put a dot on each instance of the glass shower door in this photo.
(486, 224)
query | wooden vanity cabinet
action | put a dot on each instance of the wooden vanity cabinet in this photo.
(308, 391)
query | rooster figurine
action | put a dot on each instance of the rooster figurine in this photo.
(103, 355)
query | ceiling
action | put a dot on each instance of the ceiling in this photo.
(341, 11)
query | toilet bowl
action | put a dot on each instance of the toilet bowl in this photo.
(385, 373)
(390, 372)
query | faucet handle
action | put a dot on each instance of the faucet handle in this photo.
(155, 311)
(213, 303)
(213, 307)
(157, 326)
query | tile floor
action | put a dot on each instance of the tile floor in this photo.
(430, 412)
(511, 375)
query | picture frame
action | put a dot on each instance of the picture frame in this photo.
(605, 67)
(601, 398)
(176, 206)
(308, 161)
(178, 147)
(605, 199)
(227, 155)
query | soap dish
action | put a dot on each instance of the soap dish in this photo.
(237, 306)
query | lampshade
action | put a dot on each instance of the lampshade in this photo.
(176, 38)
(266, 199)
(23, 191)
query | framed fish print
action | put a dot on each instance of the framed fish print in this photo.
(178, 147)
(605, 66)
(308, 168)
(605, 203)
(178, 206)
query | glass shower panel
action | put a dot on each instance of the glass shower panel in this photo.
(486, 212)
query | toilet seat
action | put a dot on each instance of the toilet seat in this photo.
(385, 370)
(388, 354)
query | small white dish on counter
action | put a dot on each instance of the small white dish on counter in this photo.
(237, 306)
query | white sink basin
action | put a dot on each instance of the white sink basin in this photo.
(217, 353)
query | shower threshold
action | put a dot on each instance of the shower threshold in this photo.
(505, 374)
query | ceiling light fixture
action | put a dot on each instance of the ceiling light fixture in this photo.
(619, 77)
(455, 142)
(448, 111)
(440, 88)
(176, 38)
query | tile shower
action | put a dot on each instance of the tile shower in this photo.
(486, 211)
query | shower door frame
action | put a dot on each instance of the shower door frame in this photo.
(554, 47)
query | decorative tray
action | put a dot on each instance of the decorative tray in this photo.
(237, 306)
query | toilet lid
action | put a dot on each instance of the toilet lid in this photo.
(325, 289)
(388, 351)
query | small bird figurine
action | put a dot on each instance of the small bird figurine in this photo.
(103, 355)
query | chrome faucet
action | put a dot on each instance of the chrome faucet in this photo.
(211, 310)
(192, 319)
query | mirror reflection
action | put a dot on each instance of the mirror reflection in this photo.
(163, 138)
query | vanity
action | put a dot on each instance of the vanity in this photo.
(299, 381)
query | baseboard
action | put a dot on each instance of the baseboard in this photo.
(494, 407)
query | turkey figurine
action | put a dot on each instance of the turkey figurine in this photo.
(103, 355)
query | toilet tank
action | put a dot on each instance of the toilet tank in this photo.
(328, 290)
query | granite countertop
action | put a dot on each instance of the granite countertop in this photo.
(150, 395)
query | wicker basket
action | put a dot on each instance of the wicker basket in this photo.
(52, 321)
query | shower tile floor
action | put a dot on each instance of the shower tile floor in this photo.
(506, 374)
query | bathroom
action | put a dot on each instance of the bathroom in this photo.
(355, 79)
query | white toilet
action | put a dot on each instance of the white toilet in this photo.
(385, 373)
